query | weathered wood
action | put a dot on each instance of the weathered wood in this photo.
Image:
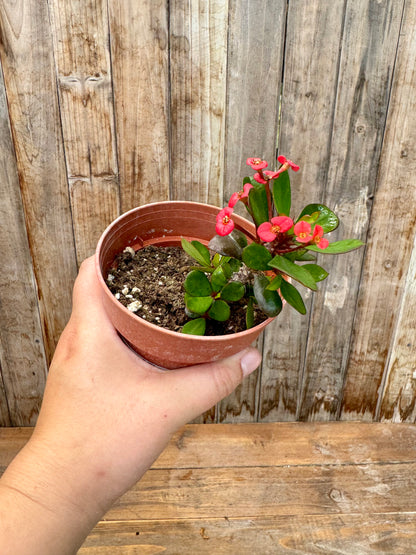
(27, 57)
(271, 444)
(399, 397)
(139, 47)
(391, 533)
(387, 259)
(370, 33)
(82, 57)
(268, 488)
(198, 49)
(308, 100)
(252, 112)
(22, 360)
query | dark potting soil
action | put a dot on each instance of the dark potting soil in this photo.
(149, 282)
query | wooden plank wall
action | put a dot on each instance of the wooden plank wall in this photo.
(109, 104)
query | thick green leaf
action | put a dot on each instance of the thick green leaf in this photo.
(269, 301)
(219, 311)
(195, 327)
(197, 284)
(258, 203)
(318, 273)
(274, 285)
(292, 296)
(293, 270)
(198, 305)
(301, 255)
(233, 291)
(327, 219)
(256, 256)
(227, 245)
(250, 314)
(338, 247)
(281, 194)
(218, 279)
(197, 250)
(234, 264)
(228, 271)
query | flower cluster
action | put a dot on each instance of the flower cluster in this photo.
(282, 252)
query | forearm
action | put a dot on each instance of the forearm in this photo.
(42, 511)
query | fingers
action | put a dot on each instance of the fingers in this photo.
(87, 293)
(198, 388)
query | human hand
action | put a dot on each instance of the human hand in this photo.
(107, 414)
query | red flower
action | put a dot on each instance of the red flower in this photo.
(235, 197)
(270, 175)
(317, 237)
(256, 163)
(303, 232)
(225, 224)
(284, 160)
(268, 231)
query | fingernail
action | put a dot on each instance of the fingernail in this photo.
(250, 361)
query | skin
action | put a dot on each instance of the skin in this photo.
(106, 416)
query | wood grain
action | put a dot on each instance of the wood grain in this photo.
(357, 534)
(308, 101)
(22, 360)
(82, 57)
(334, 487)
(26, 53)
(198, 57)
(370, 33)
(140, 62)
(386, 263)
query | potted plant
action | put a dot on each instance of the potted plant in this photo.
(235, 261)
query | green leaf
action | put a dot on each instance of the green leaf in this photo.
(198, 305)
(256, 256)
(326, 218)
(228, 271)
(219, 311)
(293, 270)
(229, 245)
(338, 247)
(197, 250)
(250, 314)
(292, 296)
(318, 273)
(274, 285)
(281, 194)
(258, 204)
(218, 279)
(233, 291)
(301, 255)
(269, 301)
(197, 284)
(195, 327)
(234, 264)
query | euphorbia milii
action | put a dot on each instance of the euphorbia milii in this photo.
(225, 224)
(256, 163)
(235, 197)
(268, 231)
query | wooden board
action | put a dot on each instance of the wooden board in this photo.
(26, 53)
(139, 54)
(198, 57)
(308, 100)
(82, 57)
(270, 488)
(22, 359)
(384, 278)
(370, 33)
(391, 533)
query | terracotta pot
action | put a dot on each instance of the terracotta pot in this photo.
(164, 224)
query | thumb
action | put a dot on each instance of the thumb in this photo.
(197, 388)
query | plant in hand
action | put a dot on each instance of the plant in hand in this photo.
(258, 271)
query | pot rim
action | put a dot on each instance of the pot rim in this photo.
(186, 337)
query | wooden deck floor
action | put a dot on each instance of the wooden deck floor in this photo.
(284, 488)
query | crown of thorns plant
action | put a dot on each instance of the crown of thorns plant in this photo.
(262, 271)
